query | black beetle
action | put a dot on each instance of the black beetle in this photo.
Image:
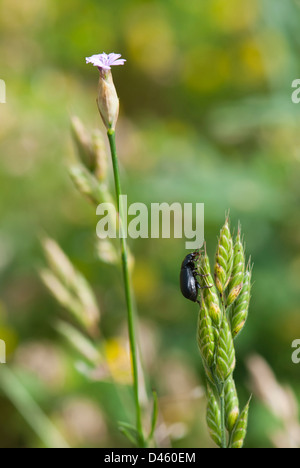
(188, 277)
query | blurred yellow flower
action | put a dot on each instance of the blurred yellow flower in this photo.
(151, 43)
(118, 360)
(207, 68)
(234, 15)
(144, 281)
(251, 62)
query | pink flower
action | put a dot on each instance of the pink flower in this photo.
(104, 61)
(107, 99)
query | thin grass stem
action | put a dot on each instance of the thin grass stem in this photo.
(128, 293)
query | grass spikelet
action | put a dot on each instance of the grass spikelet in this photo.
(205, 336)
(231, 404)
(239, 433)
(209, 293)
(213, 418)
(239, 310)
(225, 358)
(224, 258)
(237, 277)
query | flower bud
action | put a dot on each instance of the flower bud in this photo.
(107, 100)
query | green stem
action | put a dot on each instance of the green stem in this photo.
(129, 299)
(221, 388)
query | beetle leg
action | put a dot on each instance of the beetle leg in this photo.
(195, 271)
(203, 287)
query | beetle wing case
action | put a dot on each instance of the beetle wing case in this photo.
(188, 281)
(188, 284)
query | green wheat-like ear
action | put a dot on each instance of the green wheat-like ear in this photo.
(222, 315)
(213, 418)
(239, 310)
(237, 276)
(231, 404)
(225, 358)
(239, 432)
(224, 258)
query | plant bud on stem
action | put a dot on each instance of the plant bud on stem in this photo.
(107, 100)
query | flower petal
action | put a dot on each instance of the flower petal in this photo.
(104, 61)
(112, 57)
(119, 62)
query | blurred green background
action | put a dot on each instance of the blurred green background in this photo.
(206, 116)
